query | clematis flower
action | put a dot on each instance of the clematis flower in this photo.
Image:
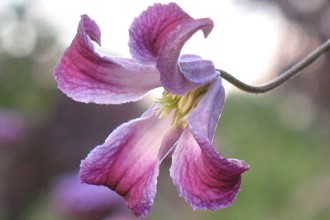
(183, 120)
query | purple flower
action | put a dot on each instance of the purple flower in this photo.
(12, 127)
(85, 201)
(183, 119)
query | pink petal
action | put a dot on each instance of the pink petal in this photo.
(159, 34)
(87, 76)
(204, 178)
(208, 110)
(197, 70)
(181, 77)
(128, 162)
(149, 31)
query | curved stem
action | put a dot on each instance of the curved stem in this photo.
(290, 73)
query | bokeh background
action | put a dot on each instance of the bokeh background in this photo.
(284, 135)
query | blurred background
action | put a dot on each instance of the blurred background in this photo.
(284, 135)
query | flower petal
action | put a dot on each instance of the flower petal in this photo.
(158, 35)
(204, 178)
(208, 110)
(148, 31)
(87, 76)
(128, 162)
(180, 79)
(196, 69)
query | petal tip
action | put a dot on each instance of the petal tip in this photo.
(90, 27)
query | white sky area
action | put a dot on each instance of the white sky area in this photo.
(243, 41)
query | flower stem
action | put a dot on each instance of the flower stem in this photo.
(290, 73)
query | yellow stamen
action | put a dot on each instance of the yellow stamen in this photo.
(181, 105)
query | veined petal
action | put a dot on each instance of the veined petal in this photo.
(204, 118)
(128, 162)
(87, 76)
(149, 31)
(158, 35)
(179, 79)
(197, 70)
(204, 178)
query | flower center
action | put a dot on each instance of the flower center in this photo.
(181, 105)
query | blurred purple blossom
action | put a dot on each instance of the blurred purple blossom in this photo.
(12, 126)
(86, 201)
